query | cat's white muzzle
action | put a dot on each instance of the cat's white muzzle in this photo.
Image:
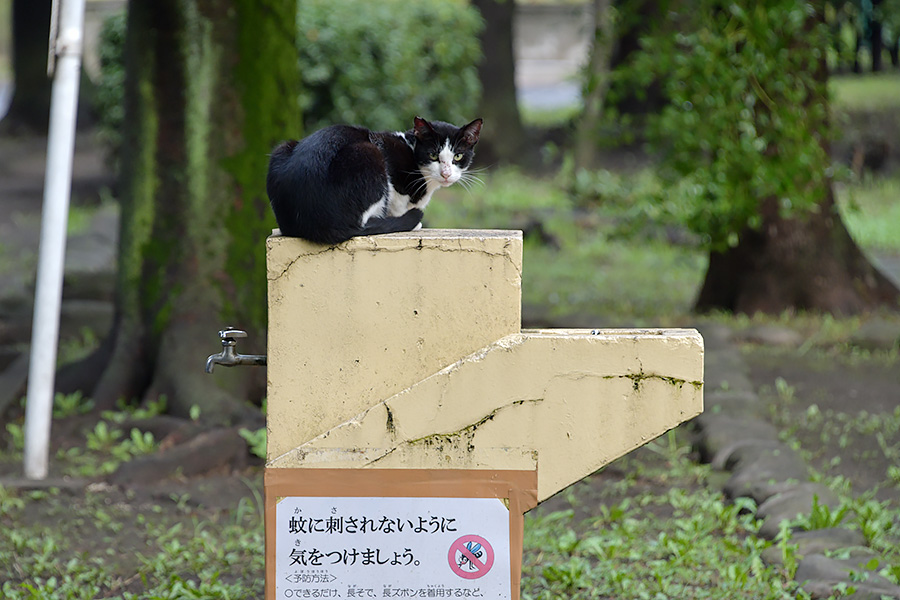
(449, 174)
(440, 176)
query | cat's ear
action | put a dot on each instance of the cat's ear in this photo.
(422, 128)
(471, 132)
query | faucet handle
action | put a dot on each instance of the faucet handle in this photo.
(229, 356)
(232, 333)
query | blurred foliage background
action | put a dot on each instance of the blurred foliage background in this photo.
(377, 63)
(719, 107)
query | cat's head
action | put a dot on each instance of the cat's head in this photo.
(443, 151)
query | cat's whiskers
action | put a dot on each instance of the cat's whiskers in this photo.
(421, 186)
(421, 181)
(469, 181)
(465, 182)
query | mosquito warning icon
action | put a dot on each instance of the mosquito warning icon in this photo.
(471, 557)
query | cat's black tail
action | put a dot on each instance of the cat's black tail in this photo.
(405, 222)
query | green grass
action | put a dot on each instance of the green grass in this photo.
(656, 530)
(79, 219)
(611, 282)
(104, 445)
(870, 207)
(871, 211)
(866, 92)
(652, 527)
(589, 269)
(549, 117)
(828, 436)
(618, 255)
(104, 542)
(823, 333)
(101, 545)
(5, 39)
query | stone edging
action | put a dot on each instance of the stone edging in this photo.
(733, 436)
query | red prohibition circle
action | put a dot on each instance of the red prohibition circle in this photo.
(471, 557)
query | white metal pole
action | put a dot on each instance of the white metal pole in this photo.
(54, 218)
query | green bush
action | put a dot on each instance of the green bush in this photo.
(379, 64)
(638, 205)
(376, 64)
(746, 114)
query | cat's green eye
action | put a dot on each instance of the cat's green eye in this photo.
(458, 157)
(432, 156)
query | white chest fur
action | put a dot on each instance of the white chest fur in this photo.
(398, 204)
(395, 204)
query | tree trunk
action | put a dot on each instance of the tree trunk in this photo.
(634, 20)
(805, 261)
(801, 263)
(503, 137)
(30, 107)
(876, 39)
(596, 83)
(876, 43)
(210, 89)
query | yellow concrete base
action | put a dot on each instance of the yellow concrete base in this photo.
(404, 351)
(565, 402)
(353, 324)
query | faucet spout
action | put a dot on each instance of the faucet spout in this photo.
(229, 356)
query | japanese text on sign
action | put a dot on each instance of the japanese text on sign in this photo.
(392, 547)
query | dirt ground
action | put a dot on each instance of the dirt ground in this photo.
(844, 388)
(90, 248)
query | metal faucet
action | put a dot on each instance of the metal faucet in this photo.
(229, 356)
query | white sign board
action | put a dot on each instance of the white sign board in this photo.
(392, 548)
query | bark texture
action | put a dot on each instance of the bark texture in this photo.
(634, 20)
(597, 81)
(30, 107)
(29, 110)
(807, 263)
(503, 137)
(210, 89)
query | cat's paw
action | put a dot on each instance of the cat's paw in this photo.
(412, 219)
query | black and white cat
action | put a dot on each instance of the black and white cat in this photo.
(343, 181)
